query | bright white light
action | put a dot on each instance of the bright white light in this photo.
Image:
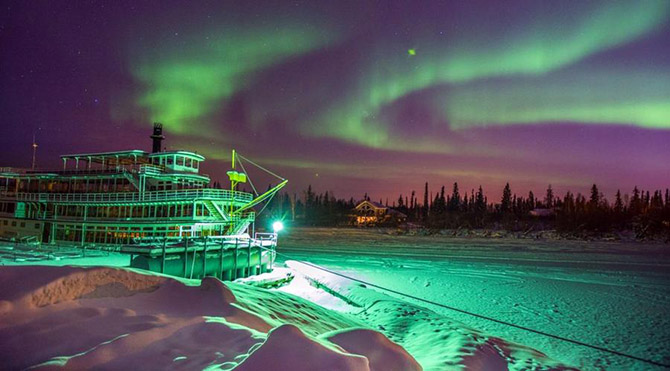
(277, 226)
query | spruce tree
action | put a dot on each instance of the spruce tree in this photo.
(618, 203)
(549, 198)
(594, 201)
(531, 200)
(480, 203)
(635, 205)
(455, 200)
(506, 202)
(424, 210)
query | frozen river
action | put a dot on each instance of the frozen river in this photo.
(612, 295)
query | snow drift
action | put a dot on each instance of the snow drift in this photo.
(108, 318)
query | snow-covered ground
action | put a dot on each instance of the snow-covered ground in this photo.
(612, 295)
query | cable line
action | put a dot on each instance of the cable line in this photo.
(260, 167)
(248, 177)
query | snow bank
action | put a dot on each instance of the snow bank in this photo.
(287, 348)
(382, 353)
(110, 318)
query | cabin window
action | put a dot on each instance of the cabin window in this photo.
(180, 161)
(189, 162)
(170, 160)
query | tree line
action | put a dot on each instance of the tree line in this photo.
(645, 212)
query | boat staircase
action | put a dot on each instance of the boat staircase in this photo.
(215, 210)
(132, 179)
(241, 222)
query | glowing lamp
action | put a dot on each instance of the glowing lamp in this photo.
(277, 226)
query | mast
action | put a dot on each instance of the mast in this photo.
(232, 184)
(34, 152)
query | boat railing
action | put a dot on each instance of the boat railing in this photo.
(165, 195)
(151, 169)
(264, 240)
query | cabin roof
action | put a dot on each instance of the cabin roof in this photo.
(98, 155)
(133, 154)
(376, 205)
(192, 155)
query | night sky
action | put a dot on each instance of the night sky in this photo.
(351, 96)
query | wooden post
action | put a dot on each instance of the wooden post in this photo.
(221, 260)
(260, 257)
(204, 259)
(233, 276)
(249, 258)
(163, 255)
(185, 255)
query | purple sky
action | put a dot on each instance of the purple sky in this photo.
(351, 96)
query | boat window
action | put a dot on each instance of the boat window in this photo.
(180, 161)
(170, 160)
(189, 162)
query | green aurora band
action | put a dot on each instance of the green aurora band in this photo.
(547, 44)
(184, 85)
(622, 98)
(188, 79)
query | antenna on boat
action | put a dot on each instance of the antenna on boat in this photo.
(34, 151)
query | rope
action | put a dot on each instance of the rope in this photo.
(260, 167)
(248, 177)
(557, 337)
(267, 202)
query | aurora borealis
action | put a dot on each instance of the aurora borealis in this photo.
(352, 96)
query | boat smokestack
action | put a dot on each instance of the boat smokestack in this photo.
(157, 137)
